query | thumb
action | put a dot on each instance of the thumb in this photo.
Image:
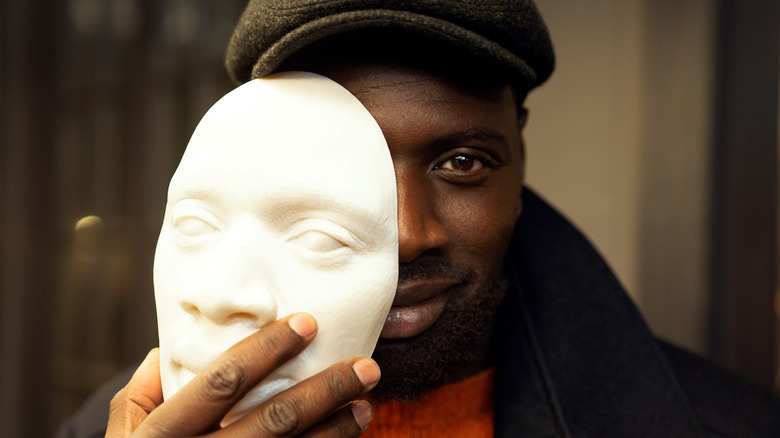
(131, 405)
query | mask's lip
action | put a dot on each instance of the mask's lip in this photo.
(192, 356)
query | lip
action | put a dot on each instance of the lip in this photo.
(417, 305)
(194, 345)
(192, 356)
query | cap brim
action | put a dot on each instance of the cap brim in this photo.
(346, 22)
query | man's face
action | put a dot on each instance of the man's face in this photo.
(284, 202)
(458, 157)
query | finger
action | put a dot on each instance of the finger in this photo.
(201, 404)
(133, 403)
(350, 421)
(306, 404)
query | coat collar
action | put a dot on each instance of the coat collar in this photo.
(575, 357)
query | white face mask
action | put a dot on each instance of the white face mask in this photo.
(284, 202)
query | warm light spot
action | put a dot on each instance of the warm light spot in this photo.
(90, 236)
(88, 223)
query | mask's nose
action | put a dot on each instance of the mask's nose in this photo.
(251, 306)
(237, 285)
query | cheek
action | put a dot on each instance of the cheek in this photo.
(349, 304)
(361, 287)
(480, 223)
(342, 295)
(167, 279)
(168, 314)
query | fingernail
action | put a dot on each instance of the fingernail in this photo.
(303, 324)
(367, 371)
(363, 413)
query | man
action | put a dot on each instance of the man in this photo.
(517, 309)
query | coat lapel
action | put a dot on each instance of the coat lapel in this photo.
(575, 355)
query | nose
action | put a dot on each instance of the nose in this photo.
(419, 228)
(250, 304)
(235, 287)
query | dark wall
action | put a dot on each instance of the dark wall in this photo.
(744, 268)
(98, 101)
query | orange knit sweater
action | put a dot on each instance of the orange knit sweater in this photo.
(459, 410)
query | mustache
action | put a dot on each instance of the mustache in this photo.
(428, 268)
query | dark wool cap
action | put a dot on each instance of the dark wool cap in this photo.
(509, 34)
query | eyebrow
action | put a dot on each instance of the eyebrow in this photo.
(481, 133)
(319, 201)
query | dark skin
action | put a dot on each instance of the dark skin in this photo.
(458, 157)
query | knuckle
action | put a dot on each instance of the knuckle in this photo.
(281, 417)
(118, 404)
(339, 387)
(271, 344)
(223, 381)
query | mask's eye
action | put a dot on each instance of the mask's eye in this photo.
(322, 242)
(318, 241)
(192, 227)
(193, 224)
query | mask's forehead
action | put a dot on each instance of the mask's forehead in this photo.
(292, 130)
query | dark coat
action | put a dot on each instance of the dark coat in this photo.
(575, 357)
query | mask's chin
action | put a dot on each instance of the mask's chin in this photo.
(175, 377)
(257, 396)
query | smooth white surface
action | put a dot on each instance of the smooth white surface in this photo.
(284, 201)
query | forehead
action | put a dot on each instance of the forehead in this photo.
(404, 82)
(347, 56)
(378, 84)
(418, 108)
(298, 131)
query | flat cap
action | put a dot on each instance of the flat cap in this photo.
(509, 34)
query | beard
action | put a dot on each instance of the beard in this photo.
(456, 346)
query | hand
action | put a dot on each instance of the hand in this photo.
(322, 405)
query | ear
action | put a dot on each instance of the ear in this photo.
(522, 118)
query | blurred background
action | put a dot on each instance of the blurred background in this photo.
(657, 135)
